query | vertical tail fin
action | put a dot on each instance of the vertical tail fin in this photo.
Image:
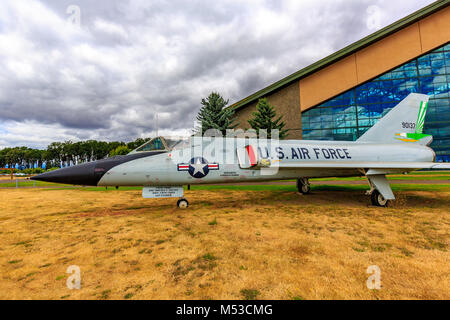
(404, 123)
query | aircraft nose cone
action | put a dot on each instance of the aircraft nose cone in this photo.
(82, 174)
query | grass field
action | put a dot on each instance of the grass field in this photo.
(233, 242)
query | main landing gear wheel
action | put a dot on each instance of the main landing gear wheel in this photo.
(378, 200)
(182, 203)
(303, 186)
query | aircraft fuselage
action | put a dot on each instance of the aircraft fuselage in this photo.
(179, 167)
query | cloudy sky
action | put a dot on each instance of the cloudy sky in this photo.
(83, 69)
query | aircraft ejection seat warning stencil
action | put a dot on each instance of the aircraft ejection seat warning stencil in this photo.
(162, 192)
(198, 167)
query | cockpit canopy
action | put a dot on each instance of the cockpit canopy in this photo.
(163, 144)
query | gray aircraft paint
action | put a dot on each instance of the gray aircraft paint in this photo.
(162, 169)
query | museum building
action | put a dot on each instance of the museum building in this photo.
(343, 95)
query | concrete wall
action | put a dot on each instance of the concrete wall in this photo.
(286, 102)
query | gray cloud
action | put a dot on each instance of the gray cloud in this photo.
(131, 59)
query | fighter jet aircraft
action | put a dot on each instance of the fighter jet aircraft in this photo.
(395, 144)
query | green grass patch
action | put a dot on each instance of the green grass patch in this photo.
(343, 187)
(45, 265)
(437, 172)
(420, 187)
(129, 295)
(30, 183)
(250, 294)
(286, 188)
(390, 177)
(105, 294)
(209, 257)
(110, 189)
(395, 187)
(441, 176)
(14, 261)
(419, 177)
(258, 187)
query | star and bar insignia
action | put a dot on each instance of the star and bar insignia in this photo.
(198, 167)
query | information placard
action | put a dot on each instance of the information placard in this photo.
(162, 192)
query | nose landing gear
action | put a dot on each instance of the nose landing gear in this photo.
(182, 203)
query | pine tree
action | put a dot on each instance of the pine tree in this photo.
(264, 117)
(214, 115)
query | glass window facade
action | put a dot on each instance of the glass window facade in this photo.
(349, 115)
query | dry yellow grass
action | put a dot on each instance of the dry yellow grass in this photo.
(281, 244)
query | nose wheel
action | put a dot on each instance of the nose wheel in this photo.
(182, 203)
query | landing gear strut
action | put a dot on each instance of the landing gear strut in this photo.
(303, 185)
(377, 199)
(182, 203)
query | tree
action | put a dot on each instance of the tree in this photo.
(214, 114)
(13, 157)
(3, 157)
(120, 150)
(64, 153)
(264, 118)
(137, 143)
(54, 153)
